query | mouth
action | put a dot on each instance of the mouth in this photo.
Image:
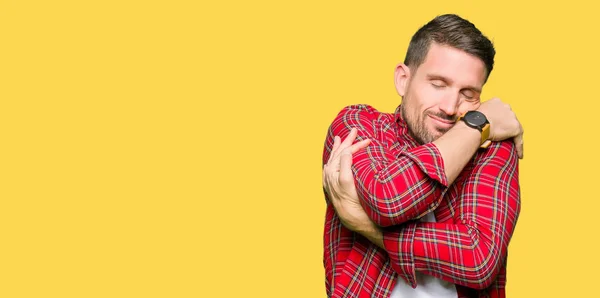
(442, 124)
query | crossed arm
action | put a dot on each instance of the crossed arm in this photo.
(398, 187)
(469, 251)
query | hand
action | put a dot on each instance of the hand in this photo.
(503, 123)
(338, 182)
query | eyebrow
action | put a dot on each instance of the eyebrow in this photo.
(449, 81)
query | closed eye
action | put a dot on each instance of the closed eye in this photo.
(438, 84)
(470, 95)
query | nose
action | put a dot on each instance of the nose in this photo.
(449, 104)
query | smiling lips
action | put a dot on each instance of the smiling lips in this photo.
(442, 124)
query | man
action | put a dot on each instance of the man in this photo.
(416, 208)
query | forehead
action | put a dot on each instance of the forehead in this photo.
(454, 64)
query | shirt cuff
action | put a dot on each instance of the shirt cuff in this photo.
(429, 159)
(399, 246)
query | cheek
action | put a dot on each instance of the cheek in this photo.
(429, 103)
(428, 97)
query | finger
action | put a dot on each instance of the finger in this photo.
(329, 183)
(359, 145)
(336, 144)
(323, 176)
(519, 145)
(522, 146)
(332, 167)
(350, 138)
(521, 142)
(326, 182)
(346, 178)
(345, 144)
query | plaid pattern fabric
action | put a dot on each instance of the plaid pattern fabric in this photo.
(399, 181)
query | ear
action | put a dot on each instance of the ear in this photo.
(401, 78)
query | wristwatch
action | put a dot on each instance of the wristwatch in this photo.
(477, 120)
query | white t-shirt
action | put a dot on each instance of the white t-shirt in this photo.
(427, 285)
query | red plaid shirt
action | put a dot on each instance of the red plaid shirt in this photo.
(398, 182)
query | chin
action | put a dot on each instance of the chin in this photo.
(434, 135)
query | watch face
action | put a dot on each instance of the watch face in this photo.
(475, 118)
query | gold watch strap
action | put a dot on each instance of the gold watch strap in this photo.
(485, 134)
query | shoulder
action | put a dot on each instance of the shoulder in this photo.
(503, 152)
(367, 120)
(359, 109)
(361, 112)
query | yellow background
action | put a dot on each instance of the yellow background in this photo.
(173, 148)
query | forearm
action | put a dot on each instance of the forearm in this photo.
(395, 190)
(458, 253)
(374, 234)
(474, 262)
(457, 147)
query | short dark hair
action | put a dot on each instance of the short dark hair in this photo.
(454, 31)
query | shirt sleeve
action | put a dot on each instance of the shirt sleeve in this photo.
(472, 250)
(393, 188)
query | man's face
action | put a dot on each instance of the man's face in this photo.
(446, 85)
